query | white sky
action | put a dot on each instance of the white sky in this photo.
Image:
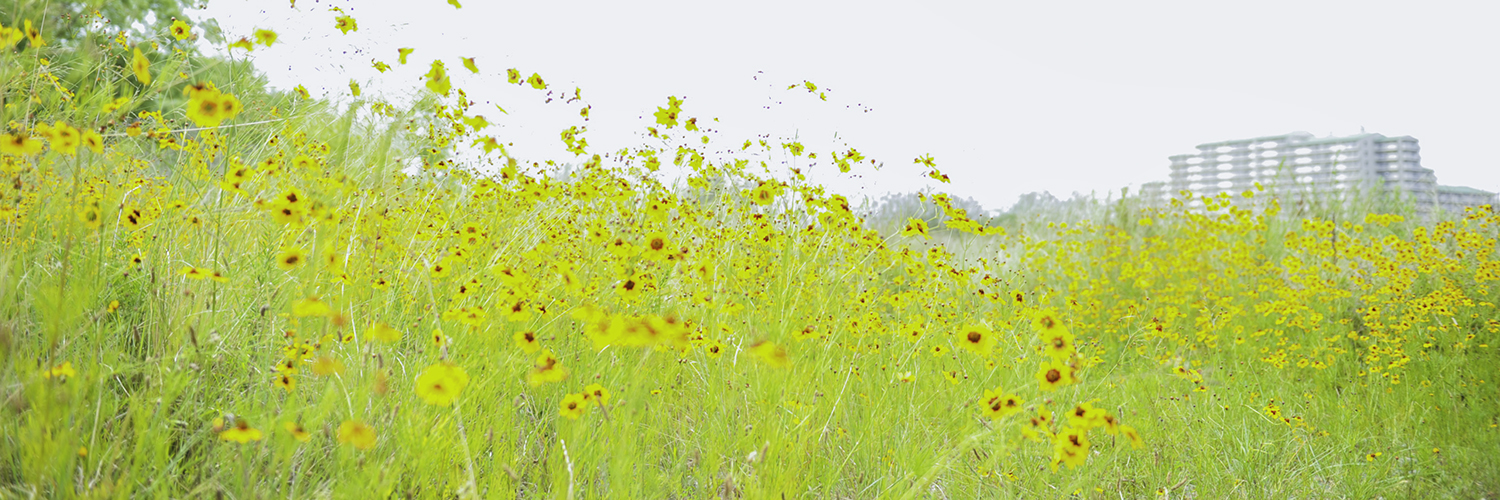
(1009, 97)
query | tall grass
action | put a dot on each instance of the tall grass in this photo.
(281, 305)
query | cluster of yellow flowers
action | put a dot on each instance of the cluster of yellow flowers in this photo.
(299, 273)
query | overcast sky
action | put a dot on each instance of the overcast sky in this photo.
(1009, 97)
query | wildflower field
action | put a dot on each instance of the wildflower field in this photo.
(212, 288)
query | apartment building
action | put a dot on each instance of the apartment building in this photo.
(1299, 162)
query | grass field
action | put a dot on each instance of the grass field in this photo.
(210, 289)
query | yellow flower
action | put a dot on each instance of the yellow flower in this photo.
(285, 381)
(402, 53)
(265, 37)
(311, 306)
(770, 353)
(209, 107)
(437, 79)
(1046, 322)
(384, 333)
(346, 24)
(297, 432)
(34, 35)
(204, 110)
(243, 44)
(573, 406)
(714, 349)
(325, 366)
(469, 63)
(357, 434)
(658, 246)
(1058, 344)
(546, 369)
(93, 141)
(526, 340)
(20, 144)
(180, 30)
(141, 67)
(536, 82)
(1054, 374)
(290, 258)
(997, 403)
(916, 227)
(441, 383)
(977, 339)
(241, 432)
(65, 139)
(1070, 447)
(1135, 437)
(63, 370)
(1085, 416)
(596, 394)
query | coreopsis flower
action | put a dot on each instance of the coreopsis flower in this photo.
(977, 339)
(357, 434)
(1054, 374)
(20, 144)
(573, 406)
(64, 370)
(1135, 437)
(714, 349)
(441, 384)
(311, 307)
(141, 67)
(658, 247)
(241, 432)
(915, 227)
(93, 141)
(384, 333)
(265, 37)
(65, 139)
(437, 79)
(290, 258)
(546, 369)
(997, 403)
(526, 341)
(1085, 416)
(770, 353)
(1071, 447)
(345, 24)
(596, 394)
(34, 35)
(210, 107)
(298, 433)
(180, 30)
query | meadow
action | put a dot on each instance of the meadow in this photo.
(210, 288)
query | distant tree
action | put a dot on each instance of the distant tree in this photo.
(893, 209)
(88, 47)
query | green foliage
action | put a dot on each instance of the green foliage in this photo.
(291, 298)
